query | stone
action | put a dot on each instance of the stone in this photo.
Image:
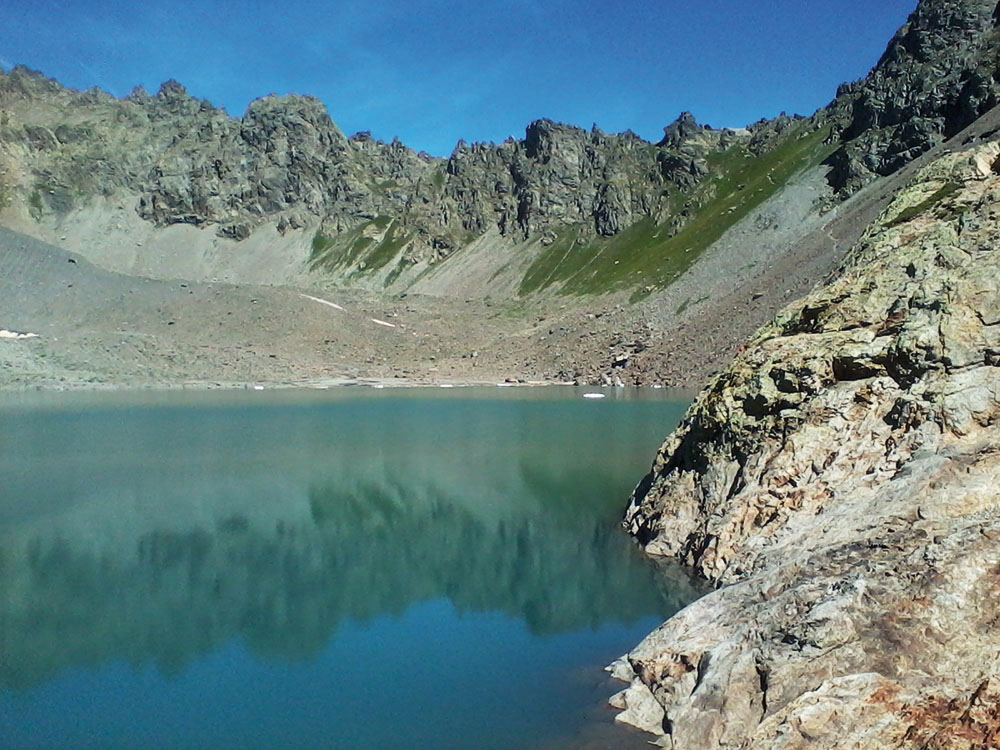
(840, 483)
(938, 75)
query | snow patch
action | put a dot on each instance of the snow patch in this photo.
(5, 334)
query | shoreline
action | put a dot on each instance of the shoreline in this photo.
(322, 384)
(110, 395)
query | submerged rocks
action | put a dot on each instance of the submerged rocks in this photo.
(841, 480)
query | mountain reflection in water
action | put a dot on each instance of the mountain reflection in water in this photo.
(163, 534)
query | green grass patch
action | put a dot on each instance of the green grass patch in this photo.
(941, 194)
(559, 261)
(383, 253)
(330, 252)
(646, 256)
(320, 243)
(356, 247)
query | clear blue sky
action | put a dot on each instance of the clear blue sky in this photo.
(434, 71)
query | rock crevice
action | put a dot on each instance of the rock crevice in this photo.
(839, 483)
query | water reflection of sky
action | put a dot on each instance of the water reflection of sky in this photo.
(427, 678)
(341, 573)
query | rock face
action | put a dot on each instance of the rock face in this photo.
(285, 161)
(939, 74)
(841, 483)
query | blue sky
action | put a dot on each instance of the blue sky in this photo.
(434, 71)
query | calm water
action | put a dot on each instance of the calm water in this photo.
(343, 569)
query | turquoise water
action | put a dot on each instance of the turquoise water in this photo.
(342, 569)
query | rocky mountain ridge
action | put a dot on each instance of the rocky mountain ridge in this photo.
(938, 74)
(557, 202)
(286, 161)
(380, 215)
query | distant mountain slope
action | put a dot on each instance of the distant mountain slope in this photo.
(712, 230)
(938, 75)
(380, 210)
(562, 209)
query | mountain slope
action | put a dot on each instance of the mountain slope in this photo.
(938, 75)
(619, 260)
(379, 215)
(563, 209)
(839, 480)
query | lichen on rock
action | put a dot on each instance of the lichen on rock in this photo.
(840, 483)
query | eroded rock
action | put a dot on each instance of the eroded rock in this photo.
(841, 483)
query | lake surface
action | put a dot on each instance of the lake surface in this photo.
(343, 569)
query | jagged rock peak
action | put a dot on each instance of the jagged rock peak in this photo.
(541, 137)
(309, 108)
(286, 161)
(680, 130)
(28, 83)
(938, 74)
(25, 73)
(292, 116)
(172, 90)
(139, 95)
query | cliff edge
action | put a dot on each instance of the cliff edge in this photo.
(840, 482)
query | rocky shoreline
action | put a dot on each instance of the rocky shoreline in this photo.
(839, 484)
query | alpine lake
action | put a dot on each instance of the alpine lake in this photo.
(348, 568)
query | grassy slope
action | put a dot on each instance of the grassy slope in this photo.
(356, 249)
(643, 258)
(646, 257)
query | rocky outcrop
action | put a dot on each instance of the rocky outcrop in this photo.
(840, 482)
(283, 155)
(939, 74)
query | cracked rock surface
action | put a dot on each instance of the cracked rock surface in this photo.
(840, 483)
(939, 73)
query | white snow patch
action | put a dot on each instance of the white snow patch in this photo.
(5, 334)
(327, 302)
